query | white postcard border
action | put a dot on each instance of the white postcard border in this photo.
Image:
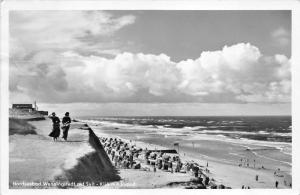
(6, 6)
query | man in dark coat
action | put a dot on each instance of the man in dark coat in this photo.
(66, 121)
(56, 127)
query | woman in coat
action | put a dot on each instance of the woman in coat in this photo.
(56, 127)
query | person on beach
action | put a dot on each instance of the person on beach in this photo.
(276, 184)
(206, 181)
(66, 121)
(55, 126)
(195, 170)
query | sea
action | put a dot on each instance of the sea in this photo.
(263, 128)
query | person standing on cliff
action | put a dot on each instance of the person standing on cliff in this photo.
(56, 127)
(66, 121)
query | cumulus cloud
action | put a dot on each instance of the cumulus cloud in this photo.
(33, 31)
(59, 56)
(281, 36)
(237, 73)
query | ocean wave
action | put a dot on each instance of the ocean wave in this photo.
(281, 134)
(288, 134)
(199, 129)
(180, 127)
(105, 123)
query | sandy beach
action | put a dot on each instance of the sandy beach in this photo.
(212, 151)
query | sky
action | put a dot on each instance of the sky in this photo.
(152, 62)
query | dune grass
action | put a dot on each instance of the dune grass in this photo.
(20, 126)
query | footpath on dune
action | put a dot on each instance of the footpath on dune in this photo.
(36, 161)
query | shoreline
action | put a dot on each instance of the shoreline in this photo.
(224, 173)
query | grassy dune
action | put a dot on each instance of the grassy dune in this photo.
(20, 126)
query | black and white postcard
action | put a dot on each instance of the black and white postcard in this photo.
(149, 95)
